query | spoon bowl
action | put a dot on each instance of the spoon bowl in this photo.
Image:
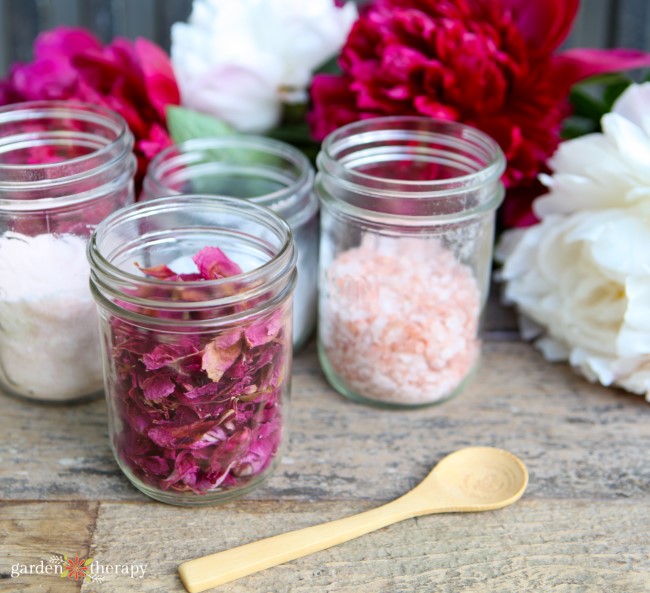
(472, 479)
(468, 480)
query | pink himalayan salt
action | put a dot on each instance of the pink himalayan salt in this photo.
(399, 320)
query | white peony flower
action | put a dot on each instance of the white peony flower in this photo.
(582, 275)
(239, 60)
(608, 170)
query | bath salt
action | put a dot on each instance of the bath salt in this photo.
(49, 336)
(399, 320)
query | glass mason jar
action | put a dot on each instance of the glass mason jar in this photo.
(263, 171)
(195, 300)
(64, 166)
(407, 227)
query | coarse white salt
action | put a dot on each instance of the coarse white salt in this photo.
(49, 336)
(410, 335)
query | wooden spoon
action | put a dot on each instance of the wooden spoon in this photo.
(469, 480)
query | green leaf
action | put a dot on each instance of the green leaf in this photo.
(186, 124)
(575, 126)
(586, 105)
(88, 562)
(614, 91)
(65, 573)
(330, 67)
(291, 133)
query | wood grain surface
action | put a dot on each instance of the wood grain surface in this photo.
(582, 526)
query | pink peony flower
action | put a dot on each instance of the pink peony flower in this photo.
(488, 63)
(133, 78)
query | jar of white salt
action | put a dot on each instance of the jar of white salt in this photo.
(407, 226)
(260, 170)
(63, 168)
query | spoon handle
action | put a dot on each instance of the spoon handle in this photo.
(223, 567)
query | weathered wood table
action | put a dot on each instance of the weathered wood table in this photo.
(582, 526)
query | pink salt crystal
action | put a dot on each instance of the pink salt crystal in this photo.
(399, 321)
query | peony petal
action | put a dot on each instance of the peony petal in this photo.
(552, 350)
(634, 337)
(633, 105)
(574, 65)
(159, 78)
(333, 104)
(65, 41)
(544, 23)
(46, 79)
(214, 264)
(630, 141)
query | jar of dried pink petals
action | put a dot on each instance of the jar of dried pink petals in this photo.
(407, 226)
(194, 295)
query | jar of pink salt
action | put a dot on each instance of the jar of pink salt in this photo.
(407, 226)
(195, 298)
(64, 167)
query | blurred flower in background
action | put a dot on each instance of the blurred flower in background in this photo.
(487, 63)
(240, 61)
(133, 78)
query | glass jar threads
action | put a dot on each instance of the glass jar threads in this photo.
(195, 300)
(263, 171)
(64, 167)
(407, 226)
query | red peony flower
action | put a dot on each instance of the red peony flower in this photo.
(133, 78)
(488, 63)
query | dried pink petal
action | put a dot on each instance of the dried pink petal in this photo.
(156, 387)
(161, 272)
(263, 332)
(220, 354)
(214, 264)
(168, 354)
(191, 436)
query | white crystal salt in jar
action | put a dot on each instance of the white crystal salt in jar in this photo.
(64, 167)
(407, 225)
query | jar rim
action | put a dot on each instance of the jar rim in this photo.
(453, 145)
(112, 149)
(398, 127)
(296, 189)
(104, 272)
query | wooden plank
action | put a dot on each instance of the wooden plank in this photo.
(578, 439)
(564, 546)
(97, 15)
(22, 28)
(140, 19)
(5, 53)
(631, 24)
(594, 24)
(134, 19)
(169, 12)
(34, 531)
(60, 13)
